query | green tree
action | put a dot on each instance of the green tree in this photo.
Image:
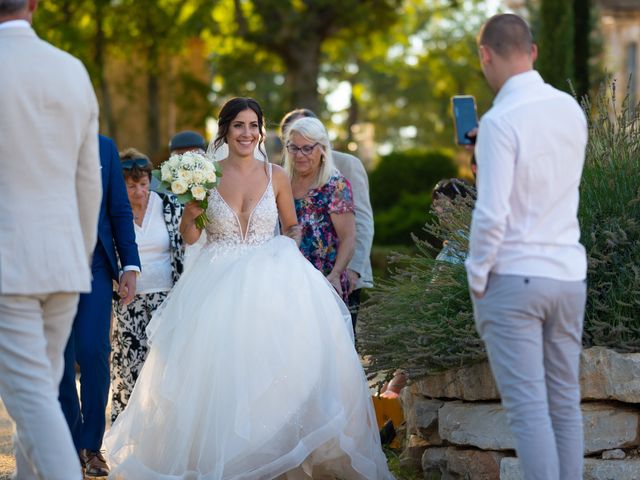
(556, 41)
(158, 32)
(402, 79)
(275, 49)
(295, 31)
(150, 31)
(582, 46)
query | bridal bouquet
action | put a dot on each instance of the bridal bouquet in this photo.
(189, 176)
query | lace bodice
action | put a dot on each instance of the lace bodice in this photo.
(225, 228)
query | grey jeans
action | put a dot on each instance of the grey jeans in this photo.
(532, 329)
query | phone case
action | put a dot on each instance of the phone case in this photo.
(465, 117)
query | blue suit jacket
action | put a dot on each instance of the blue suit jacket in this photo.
(115, 224)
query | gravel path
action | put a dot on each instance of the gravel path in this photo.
(7, 462)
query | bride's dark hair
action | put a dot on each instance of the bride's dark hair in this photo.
(229, 111)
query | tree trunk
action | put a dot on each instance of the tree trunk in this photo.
(303, 68)
(354, 114)
(555, 61)
(582, 45)
(110, 128)
(153, 112)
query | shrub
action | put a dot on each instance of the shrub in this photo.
(401, 188)
(420, 317)
(395, 225)
(609, 218)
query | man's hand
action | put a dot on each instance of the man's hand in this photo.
(353, 277)
(127, 287)
(472, 134)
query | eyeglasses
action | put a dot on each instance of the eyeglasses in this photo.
(134, 162)
(306, 149)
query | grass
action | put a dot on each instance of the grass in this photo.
(399, 471)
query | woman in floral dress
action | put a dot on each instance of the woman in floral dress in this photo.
(323, 201)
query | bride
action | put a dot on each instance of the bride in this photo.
(252, 373)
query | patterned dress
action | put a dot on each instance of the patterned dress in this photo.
(129, 347)
(320, 241)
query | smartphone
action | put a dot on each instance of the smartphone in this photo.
(465, 117)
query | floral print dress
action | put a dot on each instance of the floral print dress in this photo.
(319, 238)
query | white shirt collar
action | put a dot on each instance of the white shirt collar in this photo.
(518, 82)
(15, 24)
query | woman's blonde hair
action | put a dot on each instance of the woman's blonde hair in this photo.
(313, 130)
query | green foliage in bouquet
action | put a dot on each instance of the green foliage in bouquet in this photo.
(420, 319)
(610, 223)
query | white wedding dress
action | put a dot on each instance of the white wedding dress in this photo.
(252, 373)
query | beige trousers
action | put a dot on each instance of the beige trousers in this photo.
(33, 334)
(532, 329)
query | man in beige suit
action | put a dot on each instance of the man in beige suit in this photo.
(359, 270)
(50, 194)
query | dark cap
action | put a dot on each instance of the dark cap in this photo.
(187, 139)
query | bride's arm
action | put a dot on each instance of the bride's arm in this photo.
(190, 233)
(286, 207)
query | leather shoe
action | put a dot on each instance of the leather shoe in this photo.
(94, 463)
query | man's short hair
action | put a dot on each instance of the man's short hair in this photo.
(506, 34)
(293, 115)
(7, 7)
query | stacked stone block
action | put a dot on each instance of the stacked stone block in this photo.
(457, 429)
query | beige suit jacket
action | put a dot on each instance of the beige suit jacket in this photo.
(50, 187)
(352, 168)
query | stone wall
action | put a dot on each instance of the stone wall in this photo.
(456, 428)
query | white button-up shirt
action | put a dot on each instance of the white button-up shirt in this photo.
(530, 154)
(14, 24)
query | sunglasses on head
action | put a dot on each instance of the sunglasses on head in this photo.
(137, 162)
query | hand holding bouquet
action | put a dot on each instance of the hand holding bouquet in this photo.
(189, 176)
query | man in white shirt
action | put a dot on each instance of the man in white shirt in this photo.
(526, 267)
(50, 193)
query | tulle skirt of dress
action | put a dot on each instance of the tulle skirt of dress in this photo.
(252, 374)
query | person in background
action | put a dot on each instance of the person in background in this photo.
(49, 203)
(182, 142)
(447, 191)
(323, 201)
(526, 267)
(89, 344)
(156, 218)
(359, 270)
(187, 141)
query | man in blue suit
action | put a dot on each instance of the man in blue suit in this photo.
(89, 343)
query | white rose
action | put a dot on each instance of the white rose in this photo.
(198, 177)
(198, 192)
(165, 171)
(211, 176)
(178, 187)
(185, 176)
(174, 161)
